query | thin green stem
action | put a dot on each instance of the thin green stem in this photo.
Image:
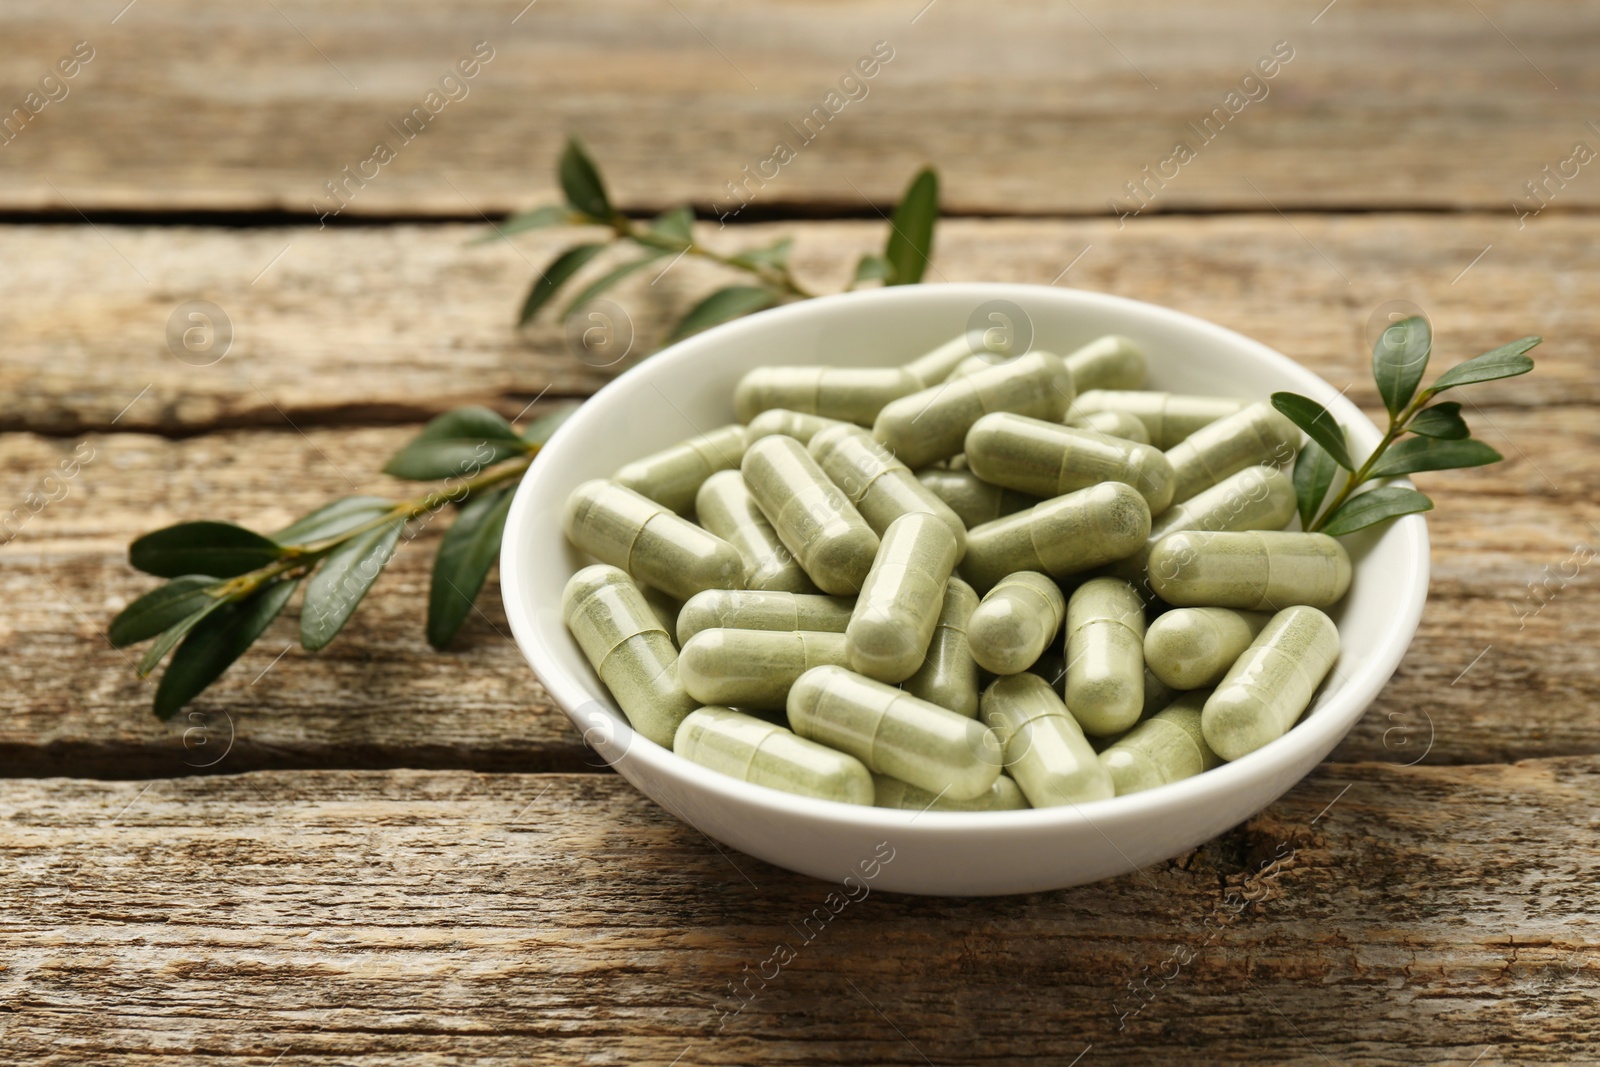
(1397, 426)
(777, 278)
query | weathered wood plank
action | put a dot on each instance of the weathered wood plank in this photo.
(1375, 915)
(398, 323)
(1498, 671)
(186, 106)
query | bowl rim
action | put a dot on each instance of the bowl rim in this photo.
(1323, 729)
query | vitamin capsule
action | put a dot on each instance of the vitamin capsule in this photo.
(666, 608)
(893, 793)
(725, 507)
(813, 519)
(879, 485)
(1192, 648)
(623, 641)
(895, 733)
(1115, 423)
(1164, 748)
(672, 476)
(1168, 417)
(1257, 498)
(948, 676)
(1260, 434)
(1256, 570)
(900, 600)
(974, 500)
(1048, 459)
(930, 425)
(1015, 622)
(1105, 656)
(938, 365)
(1045, 750)
(763, 609)
(1268, 687)
(753, 750)
(795, 424)
(655, 546)
(753, 668)
(1101, 524)
(851, 394)
(1109, 362)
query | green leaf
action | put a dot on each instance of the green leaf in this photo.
(1317, 422)
(1373, 506)
(538, 219)
(580, 181)
(910, 242)
(870, 268)
(210, 650)
(610, 278)
(1415, 454)
(333, 519)
(1398, 360)
(463, 441)
(557, 274)
(177, 632)
(773, 255)
(217, 548)
(676, 225)
(1441, 420)
(540, 429)
(1507, 361)
(162, 607)
(468, 550)
(1313, 474)
(721, 306)
(333, 592)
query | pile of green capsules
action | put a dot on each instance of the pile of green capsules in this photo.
(1029, 583)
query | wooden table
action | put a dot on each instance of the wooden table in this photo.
(382, 853)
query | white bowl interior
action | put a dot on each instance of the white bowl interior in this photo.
(687, 390)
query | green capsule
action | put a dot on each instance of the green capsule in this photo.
(672, 476)
(1101, 524)
(725, 507)
(654, 545)
(1168, 417)
(1109, 362)
(1164, 748)
(930, 425)
(754, 750)
(1256, 570)
(1257, 435)
(900, 600)
(1257, 498)
(851, 394)
(813, 518)
(1105, 656)
(1114, 424)
(625, 644)
(763, 609)
(795, 424)
(895, 733)
(948, 676)
(753, 668)
(893, 793)
(879, 485)
(1192, 648)
(974, 500)
(1267, 688)
(1015, 622)
(1048, 459)
(1045, 750)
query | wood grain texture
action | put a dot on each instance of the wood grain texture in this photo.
(188, 106)
(399, 323)
(1375, 915)
(1499, 670)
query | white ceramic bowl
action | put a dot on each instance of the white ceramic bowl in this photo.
(687, 389)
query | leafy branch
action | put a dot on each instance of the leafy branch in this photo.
(227, 583)
(1439, 438)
